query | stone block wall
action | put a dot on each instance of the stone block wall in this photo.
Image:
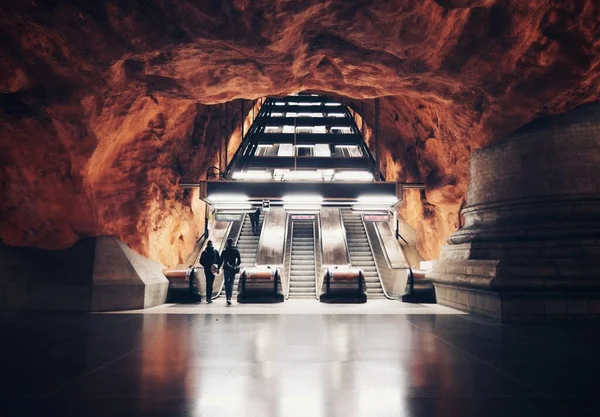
(530, 247)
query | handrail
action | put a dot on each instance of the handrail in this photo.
(375, 260)
(262, 235)
(289, 238)
(318, 260)
(201, 241)
(345, 237)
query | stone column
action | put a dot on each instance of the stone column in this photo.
(530, 246)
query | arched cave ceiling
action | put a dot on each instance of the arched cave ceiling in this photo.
(106, 106)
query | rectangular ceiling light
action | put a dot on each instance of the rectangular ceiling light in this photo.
(370, 207)
(377, 199)
(302, 198)
(309, 208)
(332, 104)
(227, 198)
(279, 103)
(252, 175)
(232, 206)
(353, 176)
(303, 176)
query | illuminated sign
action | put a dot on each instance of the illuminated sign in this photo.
(376, 217)
(229, 217)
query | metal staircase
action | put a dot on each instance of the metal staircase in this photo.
(302, 265)
(247, 244)
(360, 252)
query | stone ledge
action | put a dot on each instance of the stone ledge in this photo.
(521, 307)
(95, 274)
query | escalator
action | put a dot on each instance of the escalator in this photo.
(302, 265)
(360, 252)
(247, 244)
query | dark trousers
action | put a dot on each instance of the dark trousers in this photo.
(254, 223)
(210, 279)
(229, 280)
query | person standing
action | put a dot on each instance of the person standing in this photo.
(231, 260)
(209, 258)
(254, 219)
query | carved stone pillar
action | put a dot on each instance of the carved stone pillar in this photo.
(530, 246)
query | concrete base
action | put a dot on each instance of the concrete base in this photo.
(540, 288)
(96, 274)
(521, 307)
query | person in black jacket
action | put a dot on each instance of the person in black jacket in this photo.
(231, 260)
(209, 258)
(254, 219)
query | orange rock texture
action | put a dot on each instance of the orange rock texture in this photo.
(107, 106)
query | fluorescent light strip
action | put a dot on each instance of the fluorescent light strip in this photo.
(370, 207)
(232, 206)
(302, 176)
(302, 207)
(377, 199)
(252, 175)
(353, 176)
(227, 198)
(302, 198)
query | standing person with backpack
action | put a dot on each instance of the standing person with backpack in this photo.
(209, 258)
(231, 260)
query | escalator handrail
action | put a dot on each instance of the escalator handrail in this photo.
(385, 293)
(318, 256)
(289, 269)
(218, 293)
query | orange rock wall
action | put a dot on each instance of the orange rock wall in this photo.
(106, 106)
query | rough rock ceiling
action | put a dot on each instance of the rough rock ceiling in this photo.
(105, 106)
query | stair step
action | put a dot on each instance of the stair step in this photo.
(303, 262)
(301, 284)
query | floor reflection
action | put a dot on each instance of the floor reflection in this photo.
(291, 365)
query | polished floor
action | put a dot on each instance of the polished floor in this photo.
(186, 361)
